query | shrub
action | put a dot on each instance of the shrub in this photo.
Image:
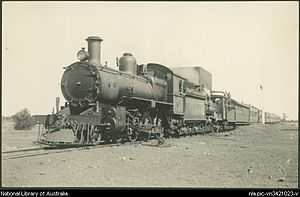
(23, 120)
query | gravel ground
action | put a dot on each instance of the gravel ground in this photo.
(250, 156)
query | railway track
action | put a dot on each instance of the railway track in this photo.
(46, 149)
(38, 151)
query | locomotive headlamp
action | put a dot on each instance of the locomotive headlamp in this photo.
(82, 55)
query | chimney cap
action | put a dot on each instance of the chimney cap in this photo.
(127, 54)
(94, 38)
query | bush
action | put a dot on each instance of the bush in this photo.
(23, 120)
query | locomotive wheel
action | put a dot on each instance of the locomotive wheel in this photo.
(147, 123)
(166, 133)
(216, 128)
(209, 128)
(132, 135)
(147, 120)
(223, 127)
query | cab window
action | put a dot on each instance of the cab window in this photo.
(151, 73)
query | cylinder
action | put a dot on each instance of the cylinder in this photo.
(127, 63)
(94, 49)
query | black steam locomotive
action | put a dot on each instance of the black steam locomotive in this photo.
(142, 101)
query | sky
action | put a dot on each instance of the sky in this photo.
(243, 44)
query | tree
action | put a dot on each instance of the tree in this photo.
(23, 120)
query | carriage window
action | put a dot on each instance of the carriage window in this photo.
(160, 75)
(168, 76)
(182, 87)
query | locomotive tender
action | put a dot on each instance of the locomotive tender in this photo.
(142, 101)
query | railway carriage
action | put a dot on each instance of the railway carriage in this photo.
(271, 118)
(254, 115)
(228, 111)
(242, 113)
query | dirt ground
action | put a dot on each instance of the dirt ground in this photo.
(15, 139)
(250, 156)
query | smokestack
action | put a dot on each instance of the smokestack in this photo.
(94, 49)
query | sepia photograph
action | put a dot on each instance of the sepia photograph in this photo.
(138, 94)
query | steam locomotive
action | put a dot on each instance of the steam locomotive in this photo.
(142, 101)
